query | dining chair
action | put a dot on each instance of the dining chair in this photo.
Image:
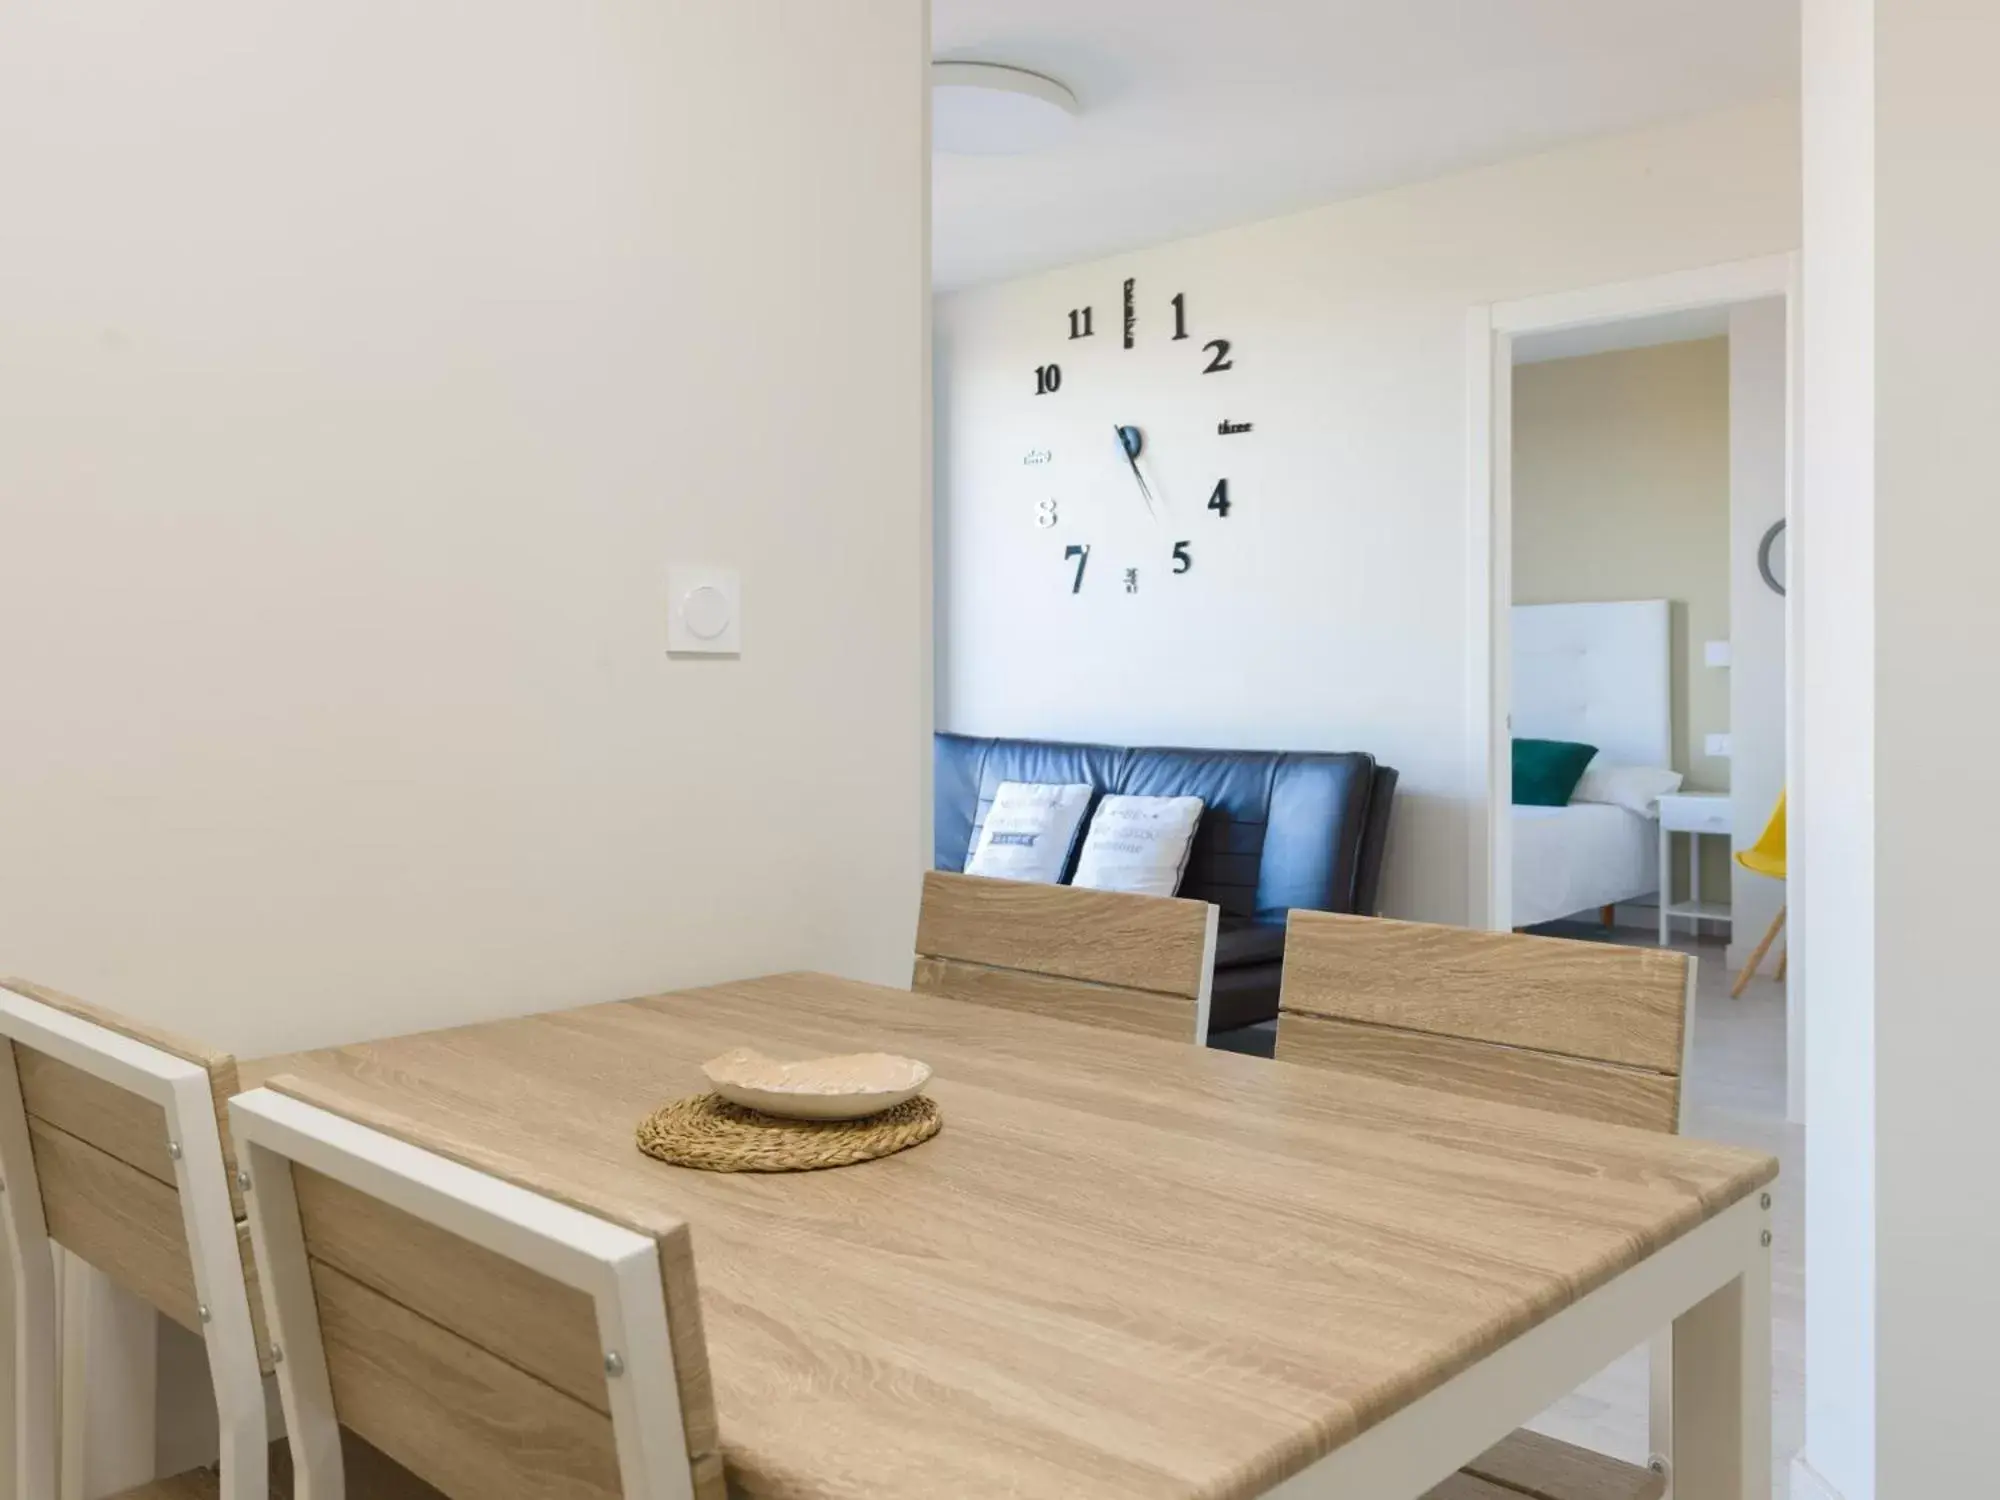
(496, 1342)
(1594, 1030)
(112, 1148)
(1104, 958)
(1766, 857)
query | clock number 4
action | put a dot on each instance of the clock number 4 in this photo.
(1081, 552)
(1183, 560)
(1048, 379)
(1079, 323)
(1219, 501)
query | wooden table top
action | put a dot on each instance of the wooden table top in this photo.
(1126, 1267)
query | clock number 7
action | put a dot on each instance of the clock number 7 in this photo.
(1219, 501)
(1081, 552)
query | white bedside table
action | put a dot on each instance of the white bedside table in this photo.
(1694, 814)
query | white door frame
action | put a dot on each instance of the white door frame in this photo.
(1491, 329)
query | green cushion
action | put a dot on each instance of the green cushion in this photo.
(1547, 771)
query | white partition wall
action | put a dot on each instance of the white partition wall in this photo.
(1902, 125)
(363, 370)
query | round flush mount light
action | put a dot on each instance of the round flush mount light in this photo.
(985, 109)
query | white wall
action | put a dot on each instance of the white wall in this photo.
(1329, 610)
(1833, 826)
(362, 368)
(1756, 675)
(1937, 611)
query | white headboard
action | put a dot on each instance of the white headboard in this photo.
(1598, 674)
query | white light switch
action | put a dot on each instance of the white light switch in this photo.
(1718, 746)
(1716, 653)
(704, 612)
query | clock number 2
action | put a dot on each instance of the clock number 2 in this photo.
(1048, 379)
(1222, 361)
(1182, 559)
(1081, 552)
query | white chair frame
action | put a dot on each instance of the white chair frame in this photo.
(1660, 1377)
(618, 1268)
(184, 1093)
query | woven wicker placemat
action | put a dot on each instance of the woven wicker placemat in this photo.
(710, 1133)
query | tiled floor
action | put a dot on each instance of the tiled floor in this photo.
(1736, 1093)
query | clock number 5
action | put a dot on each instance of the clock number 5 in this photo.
(1048, 379)
(1182, 560)
(1081, 553)
(1219, 501)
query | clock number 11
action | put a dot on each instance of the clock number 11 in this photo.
(1079, 323)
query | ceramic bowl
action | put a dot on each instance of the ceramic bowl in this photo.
(820, 1088)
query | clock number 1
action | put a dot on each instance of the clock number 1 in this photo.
(1219, 501)
(1048, 379)
(1079, 323)
(1180, 315)
(1081, 552)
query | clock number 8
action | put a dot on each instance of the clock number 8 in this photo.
(1045, 514)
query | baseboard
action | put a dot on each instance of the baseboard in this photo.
(1809, 1484)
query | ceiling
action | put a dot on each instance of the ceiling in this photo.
(1199, 114)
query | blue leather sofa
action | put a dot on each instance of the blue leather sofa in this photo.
(1279, 829)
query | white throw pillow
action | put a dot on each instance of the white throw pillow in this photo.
(1636, 787)
(1029, 832)
(1138, 844)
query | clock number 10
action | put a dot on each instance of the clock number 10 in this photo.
(1048, 379)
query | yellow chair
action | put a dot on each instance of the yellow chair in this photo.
(1765, 857)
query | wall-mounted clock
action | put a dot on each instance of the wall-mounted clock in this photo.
(1160, 529)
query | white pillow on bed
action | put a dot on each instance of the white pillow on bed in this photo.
(1638, 788)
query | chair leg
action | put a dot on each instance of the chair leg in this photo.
(36, 1438)
(1757, 954)
(1607, 915)
(1783, 954)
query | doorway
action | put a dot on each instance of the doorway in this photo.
(1609, 658)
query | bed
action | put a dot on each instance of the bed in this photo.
(1598, 674)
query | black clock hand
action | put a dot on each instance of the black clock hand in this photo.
(1125, 447)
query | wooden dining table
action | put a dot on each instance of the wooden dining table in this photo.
(1125, 1267)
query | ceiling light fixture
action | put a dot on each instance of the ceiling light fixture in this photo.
(986, 109)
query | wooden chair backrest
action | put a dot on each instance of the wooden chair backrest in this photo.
(1588, 1029)
(1104, 958)
(103, 1158)
(479, 1374)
